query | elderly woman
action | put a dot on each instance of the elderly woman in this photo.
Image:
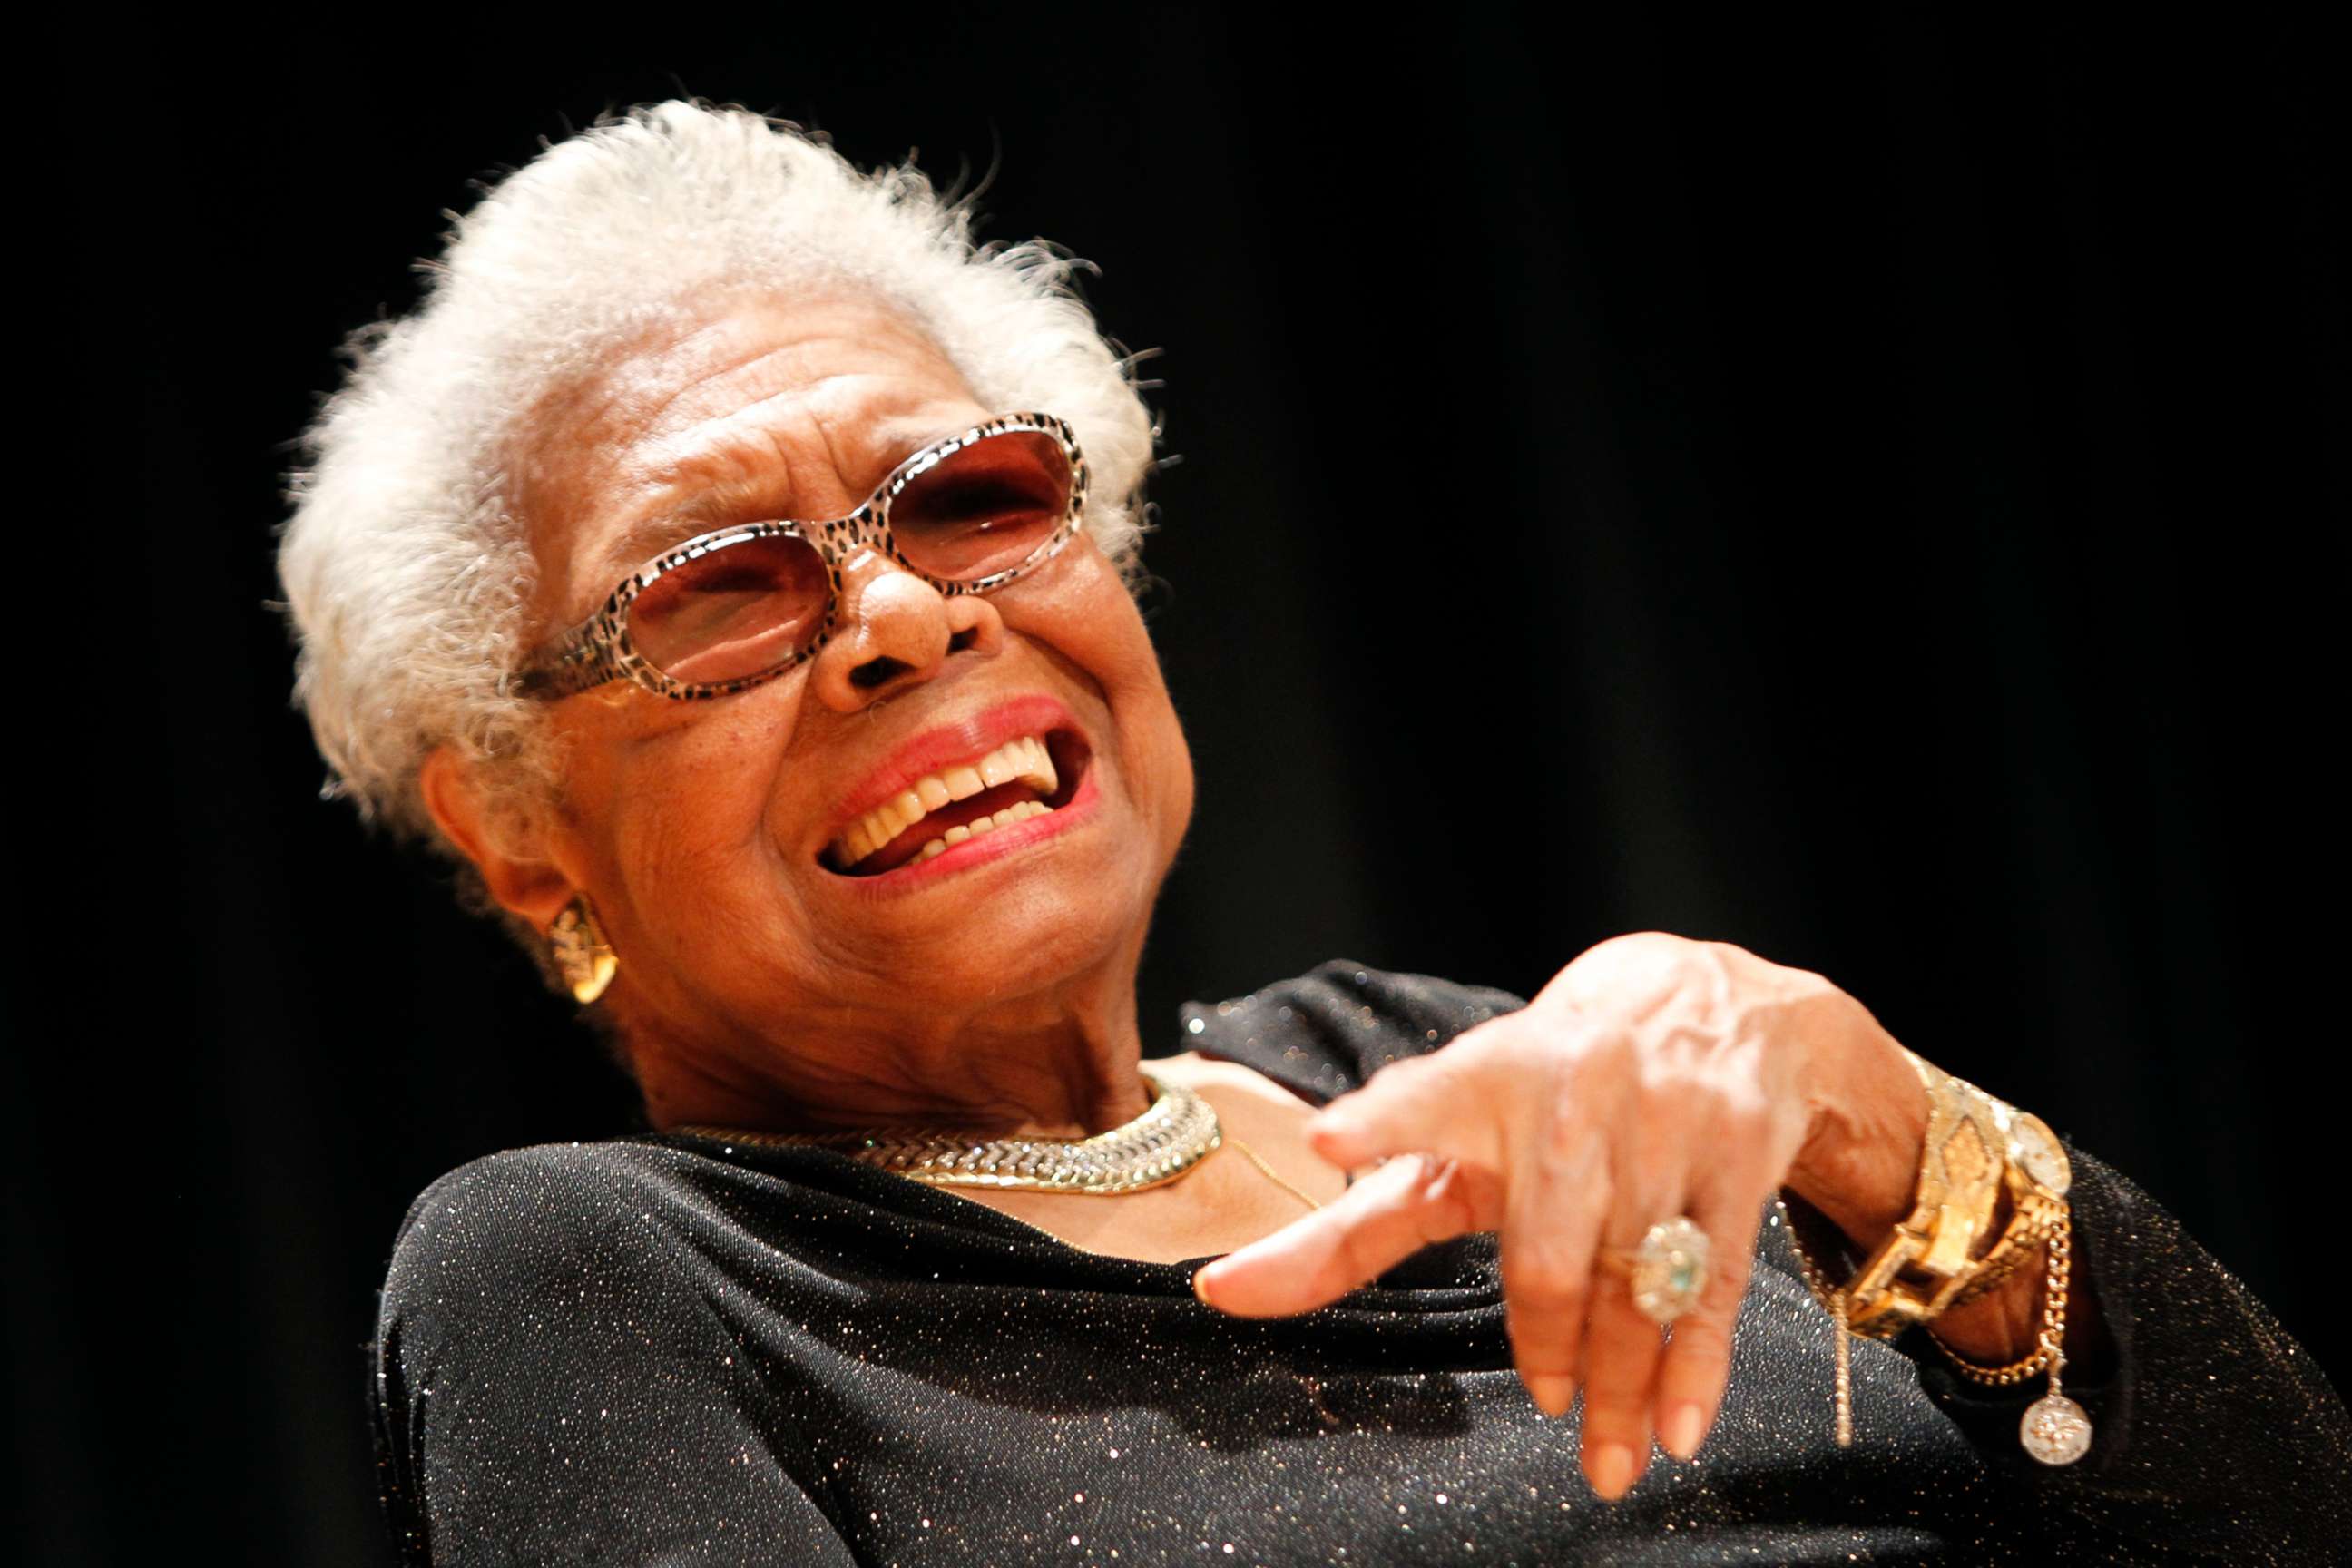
(730, 565)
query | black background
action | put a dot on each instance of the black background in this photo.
(1865, 487)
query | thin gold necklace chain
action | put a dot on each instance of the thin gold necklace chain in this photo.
(1270, 1176)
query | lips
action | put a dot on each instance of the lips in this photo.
(999, 770)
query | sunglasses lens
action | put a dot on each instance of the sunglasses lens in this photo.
(735, 612)
(985, 507)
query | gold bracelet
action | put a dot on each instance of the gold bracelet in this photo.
(2055, 1429)
(1935, 1259)
(1977, 1149)
(2053, 1321)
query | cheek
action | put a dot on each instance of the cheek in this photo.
(1170, 775)
(1158, 762)
(684, 805)
(1084, 611)
(1107, 637)
(1179, 775)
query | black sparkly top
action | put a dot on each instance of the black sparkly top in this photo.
(666, 1349)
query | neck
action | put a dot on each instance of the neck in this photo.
(1059, 1062)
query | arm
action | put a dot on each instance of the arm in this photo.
(550, 1387)
(1656, 1075)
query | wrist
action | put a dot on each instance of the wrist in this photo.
(1978, 1252)
(1859, 1165)
(2004, 1324)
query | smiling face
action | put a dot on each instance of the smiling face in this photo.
(763, 863)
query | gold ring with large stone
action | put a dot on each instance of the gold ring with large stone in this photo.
(1667, 1272)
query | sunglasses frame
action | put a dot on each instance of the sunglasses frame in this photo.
(599, 649)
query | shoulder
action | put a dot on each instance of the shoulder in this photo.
(560, 1364)
(556, 1228)
(1327, 1030)
(557, 1193)
(551, 1267)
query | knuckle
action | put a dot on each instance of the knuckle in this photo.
(1718, 1304)
(1611, 1423)
(1540, 1340)
(1701, 1337)
(1636, 971)
(1614, 1394)
(1543, 1277)
(1404, 1072)
(1514, 1045)
(1739, 1099)
(1405, 1179)
(1568, 1133)
(1652, 945)
(1448, 1206)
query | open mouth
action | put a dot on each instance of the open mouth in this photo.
(1023, 778)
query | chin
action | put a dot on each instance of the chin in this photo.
(1022, 922)
(1030, 944)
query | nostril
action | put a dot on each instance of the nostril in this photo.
(875, 671)
(963, 639)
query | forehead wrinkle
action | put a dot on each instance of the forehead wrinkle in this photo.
(625, 383)
(721, 482)
(608, 414)
(863, 449)
(652, 469)
(641, 454)
(628, 406)
(613, 412)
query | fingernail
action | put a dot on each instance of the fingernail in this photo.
(1613, 1470)
(1554, 1391)
(1200, 1288)
(1680, 1430)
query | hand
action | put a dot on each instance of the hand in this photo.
(1653, 1077)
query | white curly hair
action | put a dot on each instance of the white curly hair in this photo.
(405, 569)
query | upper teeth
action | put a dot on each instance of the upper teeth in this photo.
(1025, 760)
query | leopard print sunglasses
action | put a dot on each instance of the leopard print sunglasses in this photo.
(730, 609)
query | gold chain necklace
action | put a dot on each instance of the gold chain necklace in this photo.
(1175, 1133)
(1270, 1176)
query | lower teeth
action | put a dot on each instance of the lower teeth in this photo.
(1021, 811)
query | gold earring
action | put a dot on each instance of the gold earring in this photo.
(581, 957)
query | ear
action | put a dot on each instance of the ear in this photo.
(510, 847)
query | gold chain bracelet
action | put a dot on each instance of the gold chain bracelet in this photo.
(2053, 1321)
(1977, 1148)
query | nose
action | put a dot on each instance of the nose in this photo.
(897, 631)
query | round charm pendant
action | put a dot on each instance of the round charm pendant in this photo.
(2055, 1430)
